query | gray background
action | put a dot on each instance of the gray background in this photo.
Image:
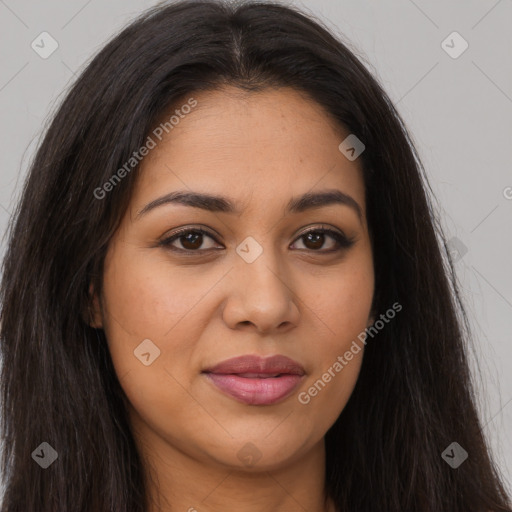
(458, 110)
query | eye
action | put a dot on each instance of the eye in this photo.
(190, 239)
(314, 239)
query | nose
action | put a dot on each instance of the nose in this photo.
(261, 296)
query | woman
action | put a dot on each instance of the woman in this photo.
(224, 288)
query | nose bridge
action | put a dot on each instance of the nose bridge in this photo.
(261, 293)
(263, 275)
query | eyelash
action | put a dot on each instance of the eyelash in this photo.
(343, 242)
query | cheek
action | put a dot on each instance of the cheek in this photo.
(152, 302)
(321, 401)
(148, 297)
(148, 301)
(338, 357)
(343, 306)
(343, 303)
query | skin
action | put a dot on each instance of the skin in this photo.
(296, 299)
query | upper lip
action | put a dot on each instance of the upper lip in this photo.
(256, 364)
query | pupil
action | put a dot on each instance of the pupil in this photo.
(192, 238)
(317, 239)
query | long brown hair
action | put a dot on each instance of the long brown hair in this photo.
(414, 395)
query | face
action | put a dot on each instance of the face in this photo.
(270, 269)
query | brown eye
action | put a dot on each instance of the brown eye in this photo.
(191, 240)
(315, 239)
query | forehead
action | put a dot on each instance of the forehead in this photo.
(249, 145)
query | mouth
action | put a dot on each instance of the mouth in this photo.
(254, 380)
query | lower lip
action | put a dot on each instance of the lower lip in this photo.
(255, 391)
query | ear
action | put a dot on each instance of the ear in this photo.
(94, 313)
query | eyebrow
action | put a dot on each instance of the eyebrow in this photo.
(222, 204)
